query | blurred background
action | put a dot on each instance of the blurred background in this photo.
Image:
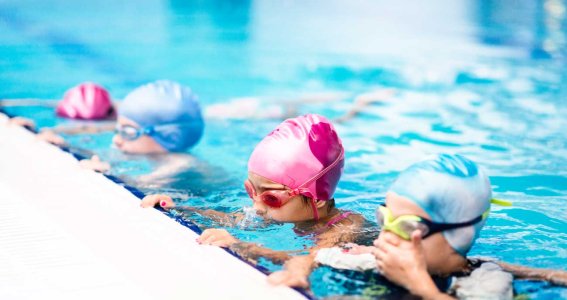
(483, 78)
(234, 48)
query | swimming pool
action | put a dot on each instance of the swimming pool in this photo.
(479, 78)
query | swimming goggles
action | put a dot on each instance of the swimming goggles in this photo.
(132, 133)
(278, 198)
(405, 225)
(272, 198)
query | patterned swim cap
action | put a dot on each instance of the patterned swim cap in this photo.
(451, 189)
(170, 108)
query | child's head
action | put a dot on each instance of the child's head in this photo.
(451, 193)
(294, 171)
(161, 116)
(86, 101)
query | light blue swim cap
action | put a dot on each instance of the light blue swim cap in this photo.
(170, 109)
(451, 189)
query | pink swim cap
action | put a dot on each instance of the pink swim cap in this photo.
(304, 154)
(86, 101)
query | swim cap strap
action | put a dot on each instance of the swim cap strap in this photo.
(300, 190)
(315, 211)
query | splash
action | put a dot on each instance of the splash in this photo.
(251, 219)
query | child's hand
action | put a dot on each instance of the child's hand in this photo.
(216, 237)
(158, 199)
(403, 262)
(295, 274)
(288, 278)
(51, 137)
(23, 122)
(95, 164)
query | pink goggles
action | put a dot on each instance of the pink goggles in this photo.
(278, 198)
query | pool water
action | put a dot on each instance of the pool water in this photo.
(485, 79)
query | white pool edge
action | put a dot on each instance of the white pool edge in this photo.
(69, 233)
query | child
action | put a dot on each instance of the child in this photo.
(86, 101)
(159, 118)
(433, 214)
(292, 176)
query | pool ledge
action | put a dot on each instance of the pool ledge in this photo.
(69, 233)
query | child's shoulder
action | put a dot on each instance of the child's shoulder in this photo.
(346, 221)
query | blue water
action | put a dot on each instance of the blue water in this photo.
(486, 79)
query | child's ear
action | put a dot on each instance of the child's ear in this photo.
(320, 203)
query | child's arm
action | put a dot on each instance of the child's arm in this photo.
(249, 251)
(295, 273)
(364, 100)
(27, 102)
(253, 252)
(45, 134)
(94, 163)
(23, 122)
(556, 277)
(165, 202)
(84, 128)
(297, 270)
(51, 137)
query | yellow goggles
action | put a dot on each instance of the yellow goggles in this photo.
(405, 225)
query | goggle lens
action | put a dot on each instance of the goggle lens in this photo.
(249, 189)
(274, 199)
(409, 227)
(127, 132)
(401, 226)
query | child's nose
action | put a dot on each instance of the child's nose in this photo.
(254, 198)
(258, 206)
(117, 140)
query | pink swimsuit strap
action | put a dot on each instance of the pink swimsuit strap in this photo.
(338, 218)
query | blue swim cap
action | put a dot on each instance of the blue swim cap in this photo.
(170, 109)
(451, 189)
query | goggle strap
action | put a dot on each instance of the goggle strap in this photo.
(175, 124)
(437, 227)
(148, 130)
(485, 214)
(298, 191)
(500, 202)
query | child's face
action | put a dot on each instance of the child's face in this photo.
(437, 250)
(294, 210)
(142, 145)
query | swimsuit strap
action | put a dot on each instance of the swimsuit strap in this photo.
(338, 218)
